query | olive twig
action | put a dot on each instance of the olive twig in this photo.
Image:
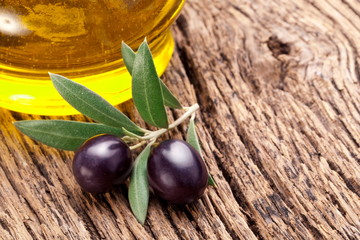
(130, 134)
(181, 119)
(193, 115)
(156, 134)
(138, 145)
(153, 135)
(129, 139)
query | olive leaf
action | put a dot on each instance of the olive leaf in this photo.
(169, 99)
(211, 181)
(91, 104)
(61, 134)
(129, 56)
(192, 139)
(146, 90)
(139, 186)
(191, 136)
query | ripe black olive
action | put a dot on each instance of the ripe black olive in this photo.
(176, 172)
(100, 162)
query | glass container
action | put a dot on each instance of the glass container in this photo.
(81, 40)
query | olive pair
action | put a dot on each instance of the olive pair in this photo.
(176, 171)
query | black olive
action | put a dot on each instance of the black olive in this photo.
(176, 172)
(101, 162)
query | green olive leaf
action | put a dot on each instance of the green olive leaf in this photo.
(91, 104)
(139, 186)
(146, 90)
(169, 99)
(192, 139)
(191, 136)
(129, 56)
(61, 134)
(211, 181)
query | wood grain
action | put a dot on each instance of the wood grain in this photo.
(278, 85)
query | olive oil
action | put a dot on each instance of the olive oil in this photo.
(81, 40)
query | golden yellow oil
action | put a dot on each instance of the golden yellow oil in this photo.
(81, 40)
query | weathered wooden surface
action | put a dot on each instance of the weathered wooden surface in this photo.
(278, 85)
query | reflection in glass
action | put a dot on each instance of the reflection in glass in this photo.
(10, 24)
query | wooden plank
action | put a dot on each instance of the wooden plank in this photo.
(278, 86)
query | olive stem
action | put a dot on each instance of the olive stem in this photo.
(138, 145)
(155, 134)
(129, 139)
(130, 134)
(145, 130)
(188, 113)
(178, 121)
(193, 115)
